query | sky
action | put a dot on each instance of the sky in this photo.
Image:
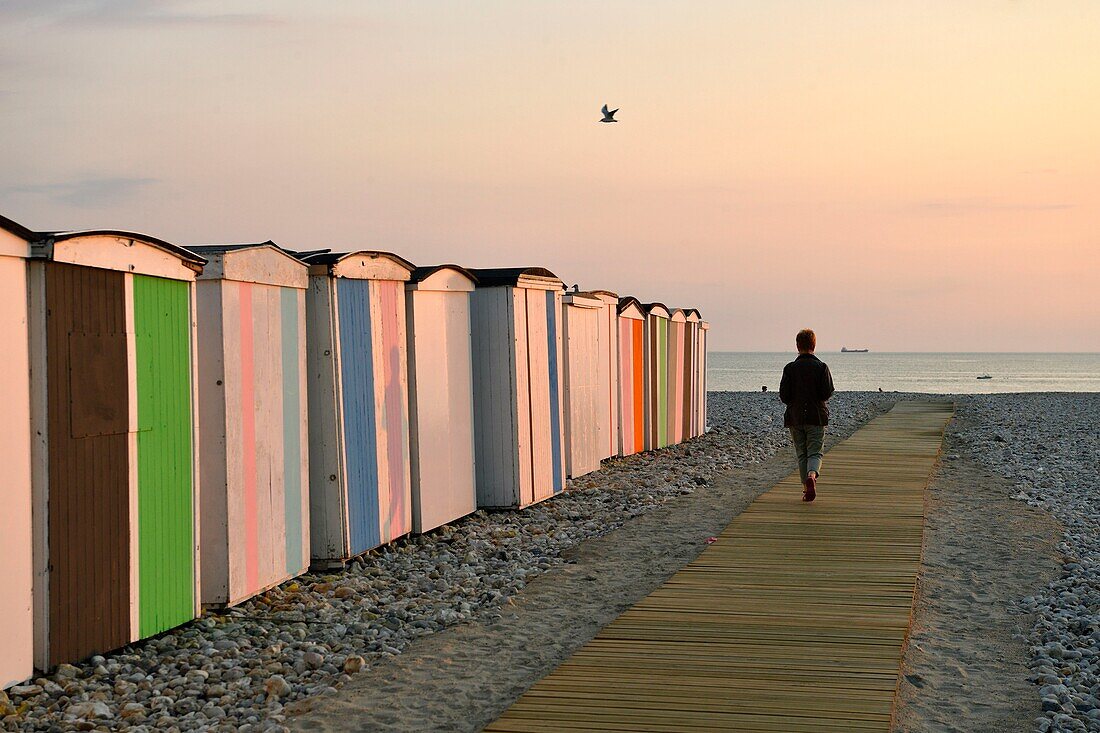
(902, 176)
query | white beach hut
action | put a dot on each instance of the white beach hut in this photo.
(16, 640)
(586, 419)
(518, 436)
(441, 411)
(252, 408)
(359, 489)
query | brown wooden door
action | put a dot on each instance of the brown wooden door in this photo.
(89, 522)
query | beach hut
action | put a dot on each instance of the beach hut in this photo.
(359, 488)
(441, 408)
(677, 376)
(112, 317)
(608, 374)
(691, 370)
(585, 403)
(254, 470)
(16, 649)
(631, 376)
(516, 325)
(656, 375)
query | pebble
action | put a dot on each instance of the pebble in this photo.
(236, 669)
(276, 686)
(94, 709)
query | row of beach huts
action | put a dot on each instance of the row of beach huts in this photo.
(192, 426)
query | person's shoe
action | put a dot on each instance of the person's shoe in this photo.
(809, 493)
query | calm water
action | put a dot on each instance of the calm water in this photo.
(940, 373)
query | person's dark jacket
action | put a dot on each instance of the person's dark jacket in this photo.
(806, 386)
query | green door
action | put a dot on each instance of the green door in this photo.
(166, 552)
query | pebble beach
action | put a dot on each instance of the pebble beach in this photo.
(253, 667)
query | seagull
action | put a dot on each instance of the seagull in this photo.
(608, 116)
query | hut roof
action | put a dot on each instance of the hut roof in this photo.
(651, 307)
(44, 241)
(342, 264)
(420, 274)
(328, 257)
(583, 299)
(265, 263)
(17, 229)
(219, 248)
(514, 276)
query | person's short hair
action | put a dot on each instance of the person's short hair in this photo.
(806, 340)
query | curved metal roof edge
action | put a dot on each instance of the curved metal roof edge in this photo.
(328, 257)
(182, 252)
(589, 294)
(422, 273)
(647, 307)
(14, 227)
(200, 248)
(510, 275)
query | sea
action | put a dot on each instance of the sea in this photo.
(948, 373)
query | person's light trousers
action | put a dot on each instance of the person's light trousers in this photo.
(809, 443)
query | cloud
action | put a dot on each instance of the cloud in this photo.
(83, 13)
(963, 206)
(90, 192)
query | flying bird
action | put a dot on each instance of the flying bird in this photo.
(608, 116)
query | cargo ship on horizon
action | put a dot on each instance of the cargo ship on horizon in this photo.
(846, 350)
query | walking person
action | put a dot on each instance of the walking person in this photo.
(806, 388)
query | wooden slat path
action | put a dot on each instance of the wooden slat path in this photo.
(794, 620)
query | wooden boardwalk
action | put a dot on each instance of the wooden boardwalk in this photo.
(794, 620)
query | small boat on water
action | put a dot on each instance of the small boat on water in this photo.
(846, 350)
(984, 376)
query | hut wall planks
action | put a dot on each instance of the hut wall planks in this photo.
(632, 406)
(88, 472)
(497, 417)
(166, 546)
(295, 427)
(586, 395)
(701, 375)
(609, 374)
(391, 393)
(16, 641)
(360, 414)
(328, 510)
(689, 385)
(545, 422)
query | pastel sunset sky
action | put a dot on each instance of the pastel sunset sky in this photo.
(907, 176)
